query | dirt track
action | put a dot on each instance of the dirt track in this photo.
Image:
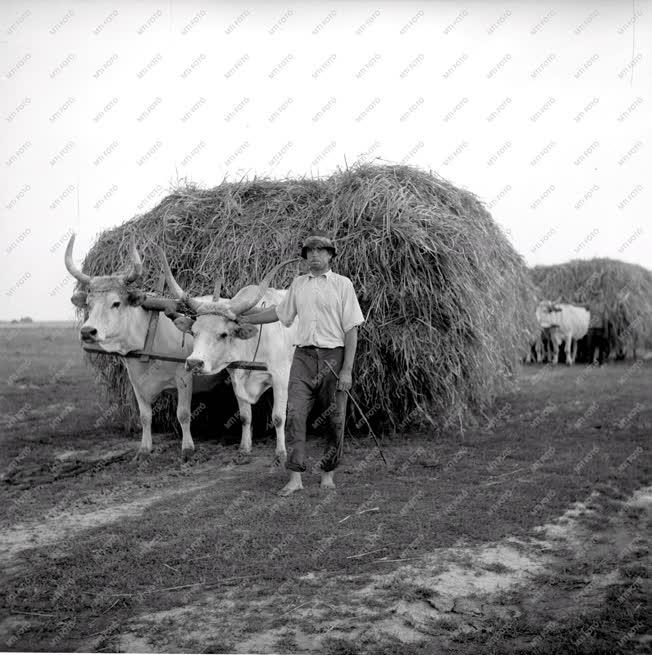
(527, 534)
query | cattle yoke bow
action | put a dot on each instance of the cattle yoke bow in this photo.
(243, 301)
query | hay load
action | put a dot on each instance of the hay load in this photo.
(618, 295)
(448, 301)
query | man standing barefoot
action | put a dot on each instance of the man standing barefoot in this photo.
(328, 312)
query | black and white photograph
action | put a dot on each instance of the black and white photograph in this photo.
(326, 327)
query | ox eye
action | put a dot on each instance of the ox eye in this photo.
(116, 304)
(224, 335)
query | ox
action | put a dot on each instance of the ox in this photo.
(567, 323)
(116, 321)
(539, 347)
(219, 339)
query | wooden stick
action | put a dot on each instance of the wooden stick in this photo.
(371, 552)
(503, 475)
(373, 434)
(364, 511)
(117, 600)
(153, 323)
(198, 584)
(523, 468)
(295, 608)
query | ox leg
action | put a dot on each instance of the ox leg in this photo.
(569, 350)
(555, 350)
(145, 408)
(550, 349)
(244, 452)
(184, 398)
(278, 418)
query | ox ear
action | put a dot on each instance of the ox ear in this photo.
(555, 308)
(245, 331)
(184, 323)
(136, 298)
(79, 298)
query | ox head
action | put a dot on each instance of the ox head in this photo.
(215, 327)
(109, 303)
(548, 314)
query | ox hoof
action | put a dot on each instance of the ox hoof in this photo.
(242, 457)
(278, 463)
(142, 455)
(186, 454)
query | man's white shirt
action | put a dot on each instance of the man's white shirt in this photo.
(326, 305)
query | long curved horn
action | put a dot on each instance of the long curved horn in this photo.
(246, 298)
(218, 286)
(137, 264)
(175, 287)
(72, 269)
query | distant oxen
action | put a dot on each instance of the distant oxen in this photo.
(220, 339)
(566, 323)
(116, 321)
(540, 347)
(599, 338)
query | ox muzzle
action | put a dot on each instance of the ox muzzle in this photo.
(194, 365)
(88, 334)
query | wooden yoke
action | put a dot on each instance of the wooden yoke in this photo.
(153, 323)
(155, 305)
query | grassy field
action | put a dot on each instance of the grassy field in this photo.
(526, 534)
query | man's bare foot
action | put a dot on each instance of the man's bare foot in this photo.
(327, 480)
(293, 485)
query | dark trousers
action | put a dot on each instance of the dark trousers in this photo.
(312, 380)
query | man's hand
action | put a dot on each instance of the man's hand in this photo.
(345, 380)
(265, 316)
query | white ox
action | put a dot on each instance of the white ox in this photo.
(220, 339)
(567, 323)
(116, 321)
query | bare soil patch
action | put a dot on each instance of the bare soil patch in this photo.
(443, 597)
(439, 552)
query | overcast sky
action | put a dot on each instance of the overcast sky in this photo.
(542, 110)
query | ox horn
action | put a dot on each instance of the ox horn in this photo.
(72, 269)
(246, 298)
(136, 264)
(218, 286)
(175, 287)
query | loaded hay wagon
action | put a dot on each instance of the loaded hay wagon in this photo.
(618, 296)
(448, 302)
